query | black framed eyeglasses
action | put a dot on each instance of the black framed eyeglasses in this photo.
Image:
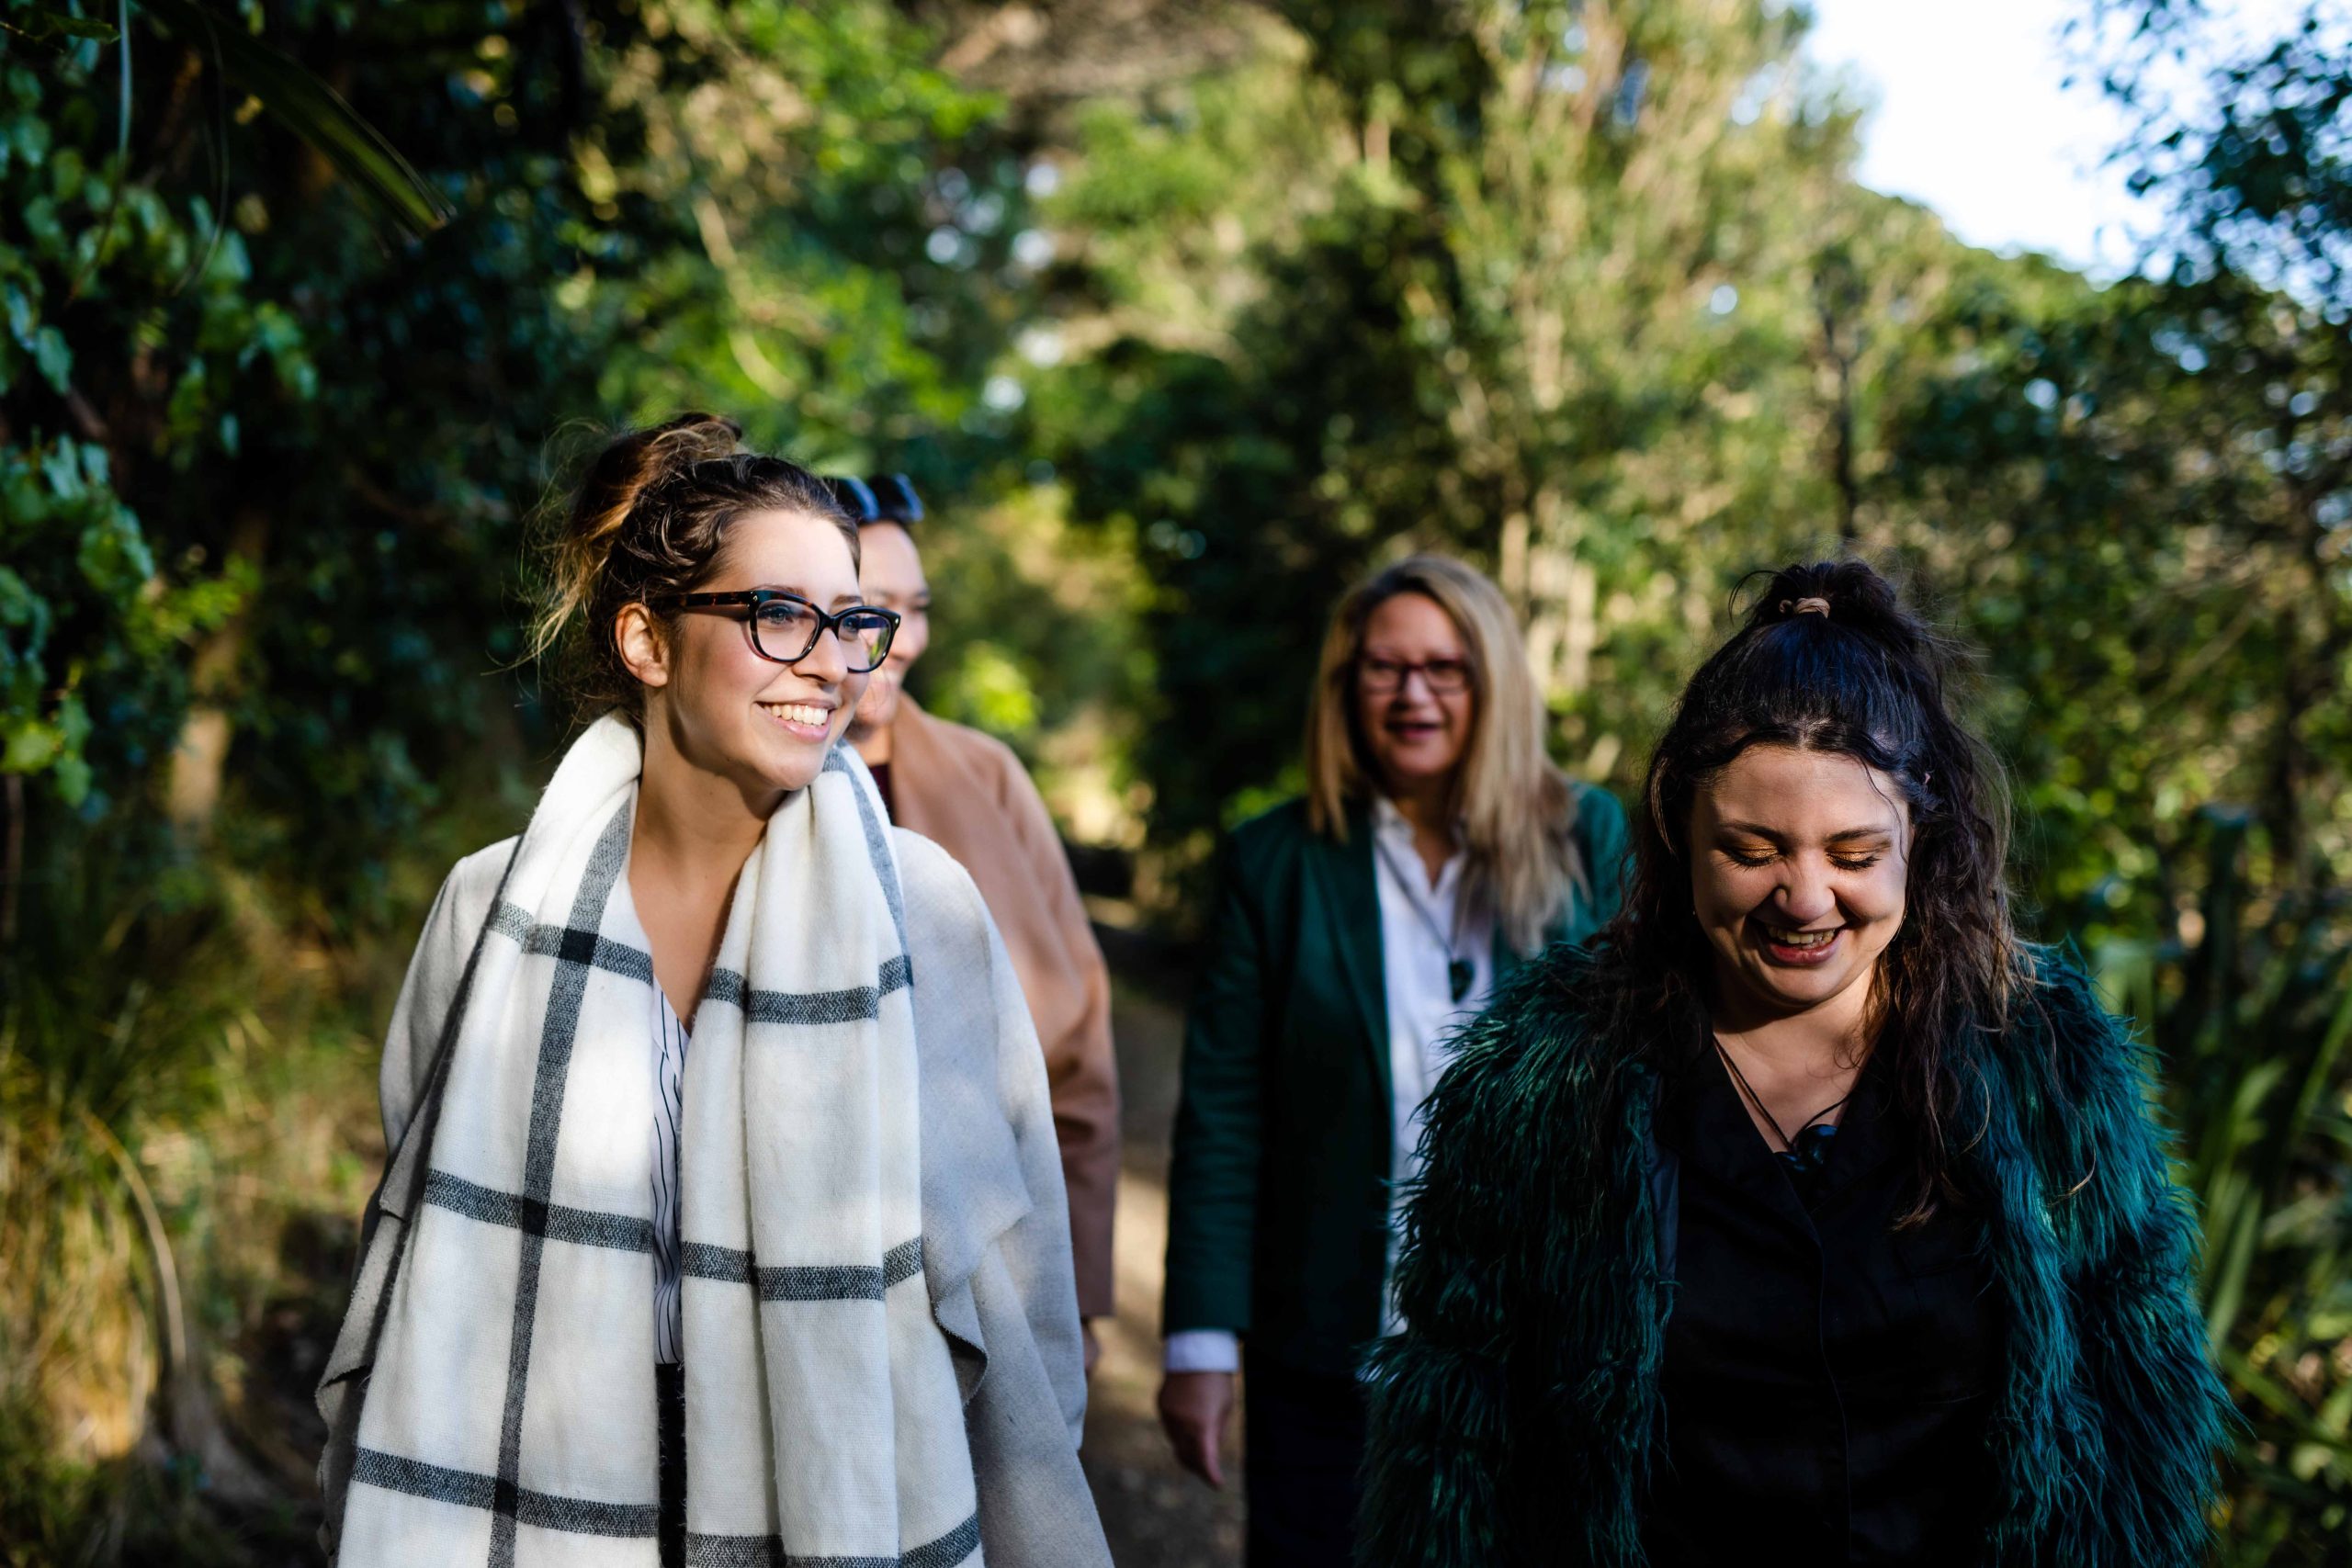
(1445, 677)
(785, 626)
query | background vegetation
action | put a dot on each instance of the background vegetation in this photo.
(1182, 314)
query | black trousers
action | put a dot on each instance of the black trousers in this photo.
(1305, 1436)
(670, 1395)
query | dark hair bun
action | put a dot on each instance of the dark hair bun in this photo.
(1850, 595)
(630, 463)
(638, 460)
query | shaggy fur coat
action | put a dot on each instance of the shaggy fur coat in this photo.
(1516, 1422)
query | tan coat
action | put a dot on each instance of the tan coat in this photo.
(968, 794)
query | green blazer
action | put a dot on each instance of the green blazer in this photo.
(1278, 1194)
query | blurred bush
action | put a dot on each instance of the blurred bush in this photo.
(2248, 1003)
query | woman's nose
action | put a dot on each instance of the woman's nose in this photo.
(1804, 895)
(826, 661)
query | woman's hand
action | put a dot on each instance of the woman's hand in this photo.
(1195, 1408)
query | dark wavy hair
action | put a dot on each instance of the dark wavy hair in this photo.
(649, 517)
(1831, 660)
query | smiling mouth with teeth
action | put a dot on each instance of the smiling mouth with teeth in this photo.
(1784, 937)
(809, 714)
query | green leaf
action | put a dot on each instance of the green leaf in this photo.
(30, 748)
(71, 775)
(46, 22)
(314, 111)
(114, 557)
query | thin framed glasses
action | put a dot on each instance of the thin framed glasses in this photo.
(1445, 677)
(785, 626)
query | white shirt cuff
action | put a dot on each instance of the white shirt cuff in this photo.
(1203, 1350)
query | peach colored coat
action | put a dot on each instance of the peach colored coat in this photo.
(967, 793)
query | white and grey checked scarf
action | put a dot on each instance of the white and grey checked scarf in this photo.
(510, 1419)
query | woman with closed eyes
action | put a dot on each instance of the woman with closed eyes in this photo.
(724, 1220)
(1807, 1215)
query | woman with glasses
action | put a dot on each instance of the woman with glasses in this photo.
(724, 1219)
(1437, 849)
(1808, 1215)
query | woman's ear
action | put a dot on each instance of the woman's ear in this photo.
(644, 650)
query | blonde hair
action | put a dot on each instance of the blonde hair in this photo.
(1516, 808)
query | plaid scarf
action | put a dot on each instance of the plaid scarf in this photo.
(510, 1418)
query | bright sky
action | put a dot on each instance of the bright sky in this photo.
(1972, 120)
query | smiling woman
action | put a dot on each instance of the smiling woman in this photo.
(1808, 1214)
(1437, 850)
(707, 927)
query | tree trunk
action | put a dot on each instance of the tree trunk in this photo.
(1512, 562)
(201, 761)
(1562, 595)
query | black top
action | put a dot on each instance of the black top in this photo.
(881, 772)
(1828, 1378)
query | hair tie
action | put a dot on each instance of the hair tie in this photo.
(1804, 607)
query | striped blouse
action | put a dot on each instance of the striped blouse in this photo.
(668, 1106)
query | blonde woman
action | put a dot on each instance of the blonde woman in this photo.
(1437, 849)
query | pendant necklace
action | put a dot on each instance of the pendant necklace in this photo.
(1807, 1150)
(1459, 971)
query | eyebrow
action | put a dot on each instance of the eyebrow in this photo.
(1844, 835)
(806, 597)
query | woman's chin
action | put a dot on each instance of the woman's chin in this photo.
(783, 762)
(1790, 989)
(879, 706)
(1412, 768)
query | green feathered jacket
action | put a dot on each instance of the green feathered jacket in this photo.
(1515, 1422)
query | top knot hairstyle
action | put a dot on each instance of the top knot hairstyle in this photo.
(1830, 658)
(649, 518)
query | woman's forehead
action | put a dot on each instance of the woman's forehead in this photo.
(792, 549)
(1802, 790)
(1410, 619)
(892, 558)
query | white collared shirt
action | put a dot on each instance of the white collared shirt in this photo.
(666, 1044)
(668, 1117)
(1421, 1012)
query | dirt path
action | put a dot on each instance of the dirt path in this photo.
(1155, 1515)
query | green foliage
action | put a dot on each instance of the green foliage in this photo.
(1588, 294)
(86, 562)
(1532, 283)
(1585, 293)
(1034, 627)
(2248, 143)
(2249, 1004)
(312, 110)
(2145, 546)
(265, 476)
